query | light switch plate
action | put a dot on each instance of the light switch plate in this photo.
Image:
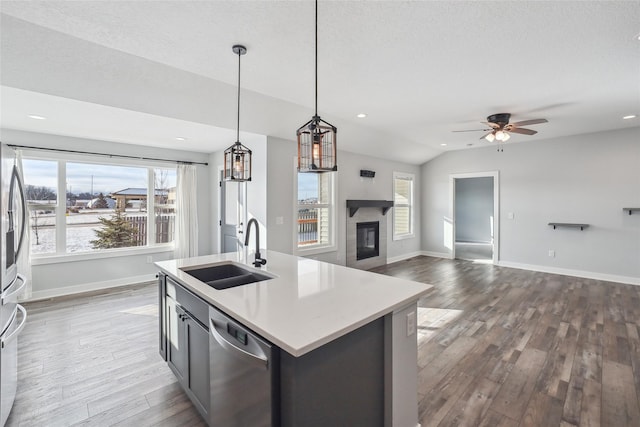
(510, 215)
(279, 220)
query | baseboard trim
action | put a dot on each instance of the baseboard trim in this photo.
(417, 253)
(87, 287)
(575, 273)
(437, 254)
(403, 257)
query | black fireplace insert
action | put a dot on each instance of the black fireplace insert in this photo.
(367, 240)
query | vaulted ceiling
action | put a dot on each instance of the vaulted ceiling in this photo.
(148, 72)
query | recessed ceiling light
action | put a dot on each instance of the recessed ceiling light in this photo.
(33, 116)
(361, 116)
(631, 116)
(443, 144)
(180, 138)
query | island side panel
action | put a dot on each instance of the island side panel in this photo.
(401, 367)
(338, 384)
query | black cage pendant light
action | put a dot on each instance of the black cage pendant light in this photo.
(317, 138)
(237, 158)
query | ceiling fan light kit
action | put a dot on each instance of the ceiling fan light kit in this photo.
(500, 128)
(317, 139)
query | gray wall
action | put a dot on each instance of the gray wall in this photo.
(280, 198)
(583, 179)
(474, 209)
(51, 278)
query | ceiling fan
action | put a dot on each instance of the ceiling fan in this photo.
(499, 127)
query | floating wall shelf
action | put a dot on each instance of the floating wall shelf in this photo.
(568, 224)
(631, 210)
(354, 205)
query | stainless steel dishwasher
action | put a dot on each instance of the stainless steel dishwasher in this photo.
(243, 375)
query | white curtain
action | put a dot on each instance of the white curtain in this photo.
(186, 227)
(24, 259)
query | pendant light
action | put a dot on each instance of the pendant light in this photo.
(317, 138)
(237, 158)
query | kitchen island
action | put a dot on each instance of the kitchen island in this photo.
(345, 338)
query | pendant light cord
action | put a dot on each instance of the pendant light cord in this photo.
(316, 58)
(238, 127)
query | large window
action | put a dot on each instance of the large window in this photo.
(107, 206)
(315, 212)
(402, 205)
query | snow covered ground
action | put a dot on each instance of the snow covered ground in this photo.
(81, 229)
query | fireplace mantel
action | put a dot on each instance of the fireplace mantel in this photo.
(354, 205)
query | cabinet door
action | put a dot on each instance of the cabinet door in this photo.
(197, 380)
(176, 351)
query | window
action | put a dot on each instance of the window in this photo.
(107, 206)
(41, 192)
(314, 228)
(402, 206)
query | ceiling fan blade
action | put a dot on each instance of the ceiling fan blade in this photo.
(484, 136)
(472, 130)
(523, 131)
(530, 122)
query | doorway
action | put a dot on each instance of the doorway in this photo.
(233, 212)
(475, 209)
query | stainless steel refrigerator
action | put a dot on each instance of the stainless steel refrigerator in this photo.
(12, 315)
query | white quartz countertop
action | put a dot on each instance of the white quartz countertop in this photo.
(307, 305)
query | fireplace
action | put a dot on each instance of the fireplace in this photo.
(367, 233)
(367, 240)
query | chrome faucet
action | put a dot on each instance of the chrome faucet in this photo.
(258, 261)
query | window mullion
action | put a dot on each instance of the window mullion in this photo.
(61, 209)
(151, 207)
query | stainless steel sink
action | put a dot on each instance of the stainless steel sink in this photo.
(225, 276)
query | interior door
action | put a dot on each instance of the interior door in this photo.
(232, 214)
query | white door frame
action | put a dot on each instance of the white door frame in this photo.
(496, 209)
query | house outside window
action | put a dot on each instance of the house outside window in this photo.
(315, 213)
(403, 189)
(106, 206)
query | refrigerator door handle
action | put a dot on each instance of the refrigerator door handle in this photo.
(7, 295)
(6, 340)
(15, 179)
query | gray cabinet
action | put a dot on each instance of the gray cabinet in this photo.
(186, 342)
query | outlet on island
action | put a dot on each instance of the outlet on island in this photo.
(411, 323)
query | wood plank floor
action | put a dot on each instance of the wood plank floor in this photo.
(508, 347)
(93, 360)
(497, 347)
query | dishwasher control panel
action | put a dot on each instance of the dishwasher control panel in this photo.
(239, 335)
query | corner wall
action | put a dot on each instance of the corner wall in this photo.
(580, 179)
(280, 198)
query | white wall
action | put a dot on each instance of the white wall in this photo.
(280, 198)
(61, 276)
(582, 179)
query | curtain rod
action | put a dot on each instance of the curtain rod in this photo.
(122, 156)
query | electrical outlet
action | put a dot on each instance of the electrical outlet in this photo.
(411, 323)
(552, 253)
(279, 220)
(149, 259)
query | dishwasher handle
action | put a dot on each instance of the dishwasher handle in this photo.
(258, 360)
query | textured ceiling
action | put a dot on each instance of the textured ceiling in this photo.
(418, 69)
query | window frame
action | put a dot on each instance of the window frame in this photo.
(318, 248)
(61, 254)
(412, 179)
